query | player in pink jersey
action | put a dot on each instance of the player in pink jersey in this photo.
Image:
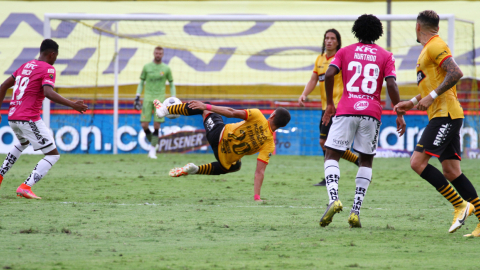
(364, 66)
(32, 82)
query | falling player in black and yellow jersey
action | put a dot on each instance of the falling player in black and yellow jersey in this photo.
(437, 75)
(332, 42)
(230, 142)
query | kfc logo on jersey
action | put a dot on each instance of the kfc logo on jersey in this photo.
(366, 49)
(30, 65)
(26, 72)
(361, 105)
(51, 70)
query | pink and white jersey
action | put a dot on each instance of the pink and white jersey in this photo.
(28, 94)
(363, 66)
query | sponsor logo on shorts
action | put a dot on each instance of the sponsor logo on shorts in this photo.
(51, 70)
(374, 142)
(26, 72)
(340, 142)
(442, 134)
(36, 131)
(209, 124)
(361, 105)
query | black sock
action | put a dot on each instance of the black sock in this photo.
(155, 133)
(465, 188)
(215, 168)
(438, 180)
(147, 131)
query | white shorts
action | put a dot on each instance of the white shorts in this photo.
(34, 132)
(362, 131)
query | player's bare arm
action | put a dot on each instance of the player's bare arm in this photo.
(309, 87)
(395, 97)
(259, 175)
(454, 74)
(53, 96)
(224, 111)
(9, 82)
(329, 81)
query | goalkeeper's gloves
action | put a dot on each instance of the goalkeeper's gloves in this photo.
(137, 105)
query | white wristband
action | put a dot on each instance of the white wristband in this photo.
(433, 94)
(414, 100)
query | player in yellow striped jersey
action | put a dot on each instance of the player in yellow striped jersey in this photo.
(332, 42)
(437, 75)
(230, 142)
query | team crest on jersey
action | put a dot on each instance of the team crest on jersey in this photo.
(361, 105)
(420, 76)
(161, 73)
(51, 76)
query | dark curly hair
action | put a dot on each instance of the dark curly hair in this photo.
(337, 35)
(367, 28)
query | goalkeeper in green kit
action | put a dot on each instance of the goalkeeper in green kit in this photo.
(154, 75)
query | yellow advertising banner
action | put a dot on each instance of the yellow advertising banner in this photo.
(212, 53)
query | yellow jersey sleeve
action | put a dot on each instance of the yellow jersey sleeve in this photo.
(266, 152)
(253, 115)
(438, 52)
(317, 65)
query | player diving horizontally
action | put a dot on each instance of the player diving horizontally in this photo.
(437, 76)
(332, 42)
(251, 136)
(364, 65)
(32, 82)
(154, 76)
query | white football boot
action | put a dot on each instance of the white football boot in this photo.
(190, 168)
(152, 153)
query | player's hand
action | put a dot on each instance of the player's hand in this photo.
(329, 113)
(79, 106)
(424, 103)
(137, 105)
(403, 106)
(301, 100)
(401, 125)
(197, 105)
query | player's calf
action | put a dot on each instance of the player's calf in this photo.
(11, 158)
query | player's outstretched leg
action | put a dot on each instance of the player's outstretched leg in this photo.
(42, 168)
(362, 181)
(11, 158)
(332, 175)
(350, 156)
(214, 168)
(181, 109)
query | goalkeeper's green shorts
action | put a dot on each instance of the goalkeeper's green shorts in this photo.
(147, 110)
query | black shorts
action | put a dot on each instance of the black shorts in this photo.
(324, 129)
(441, 138)
(214, 125)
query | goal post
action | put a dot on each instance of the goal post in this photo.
(241, 58)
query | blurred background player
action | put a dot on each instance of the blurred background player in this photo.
(332, 42)
(32, 82)
(364, 65)
(251, 136)
(154, 75)
(437, 76)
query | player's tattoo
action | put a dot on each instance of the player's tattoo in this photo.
(454, 74)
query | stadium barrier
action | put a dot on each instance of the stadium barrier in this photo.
(91, 134)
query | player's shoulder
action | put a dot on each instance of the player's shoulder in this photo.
(254, 113)
(319, 57)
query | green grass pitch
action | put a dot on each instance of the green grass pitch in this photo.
(125, 212)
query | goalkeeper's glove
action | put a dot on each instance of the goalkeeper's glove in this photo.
(137, 104)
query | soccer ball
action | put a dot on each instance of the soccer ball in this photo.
(169, 102)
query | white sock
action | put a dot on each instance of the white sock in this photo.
(12, 157)
(363, 179)
(43, 166)
(332, 175)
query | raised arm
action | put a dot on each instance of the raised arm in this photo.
(53, 96)
(309, 87)
(225, 111)
(259, 175)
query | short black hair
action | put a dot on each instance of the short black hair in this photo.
(48, 45)
(282, 117)
(367, 28)
(428, 18)
(337, 34)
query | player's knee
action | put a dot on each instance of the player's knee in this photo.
(416, 165)
(52, 159)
